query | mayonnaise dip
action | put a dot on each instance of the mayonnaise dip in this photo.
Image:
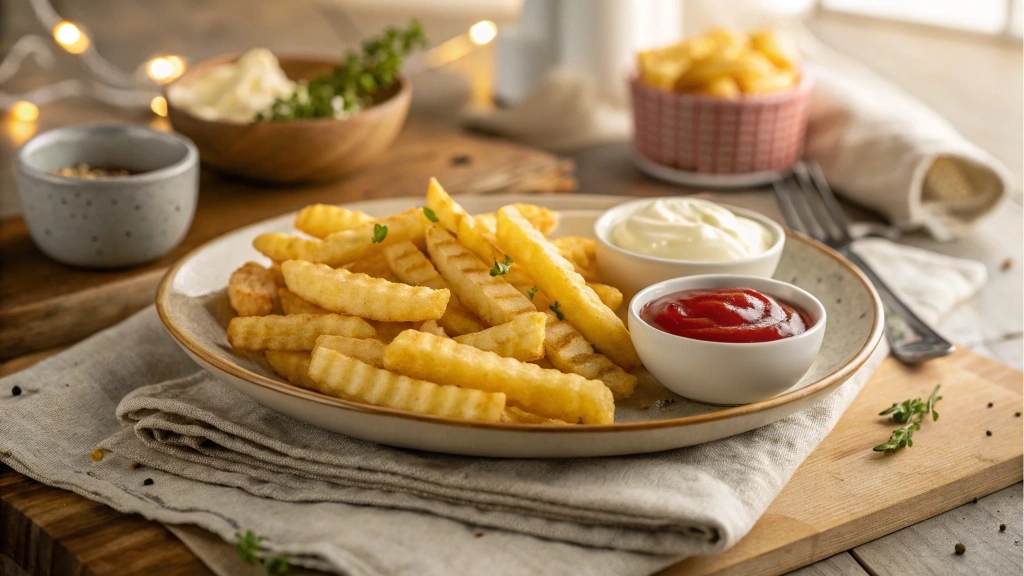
(234, 92)
(690, 229)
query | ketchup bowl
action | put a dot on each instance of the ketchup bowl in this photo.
(729, 372)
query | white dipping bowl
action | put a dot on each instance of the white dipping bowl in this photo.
(727, 373)
(632, 272)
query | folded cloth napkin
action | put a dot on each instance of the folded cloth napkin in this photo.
(889, 152)
(212, 457)
(878, 146)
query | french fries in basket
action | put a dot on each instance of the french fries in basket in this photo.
(555, 276)
(367, 350)
(547, 393)
(322, 220)
(343, 247)
(491, 298)
(295, 332)
(360, 295)
(412, 267)
(522, 338)
(252, 291)
(338, 375)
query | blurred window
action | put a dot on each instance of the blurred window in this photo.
(985, 16)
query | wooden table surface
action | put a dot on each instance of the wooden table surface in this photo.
(975, 82)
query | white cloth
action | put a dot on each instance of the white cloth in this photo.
(220, 461)
(886, 151)
(931, 284)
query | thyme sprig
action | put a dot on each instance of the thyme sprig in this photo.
(247, 547)
(357, 83)
(501, 268)
(910, 413)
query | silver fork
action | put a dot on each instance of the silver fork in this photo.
(811, 208)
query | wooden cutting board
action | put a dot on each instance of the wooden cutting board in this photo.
(842, 496)
(45, 304)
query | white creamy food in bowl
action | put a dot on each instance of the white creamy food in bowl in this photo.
(646, 241)
(235, 91)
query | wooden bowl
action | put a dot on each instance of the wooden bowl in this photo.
(300, 150)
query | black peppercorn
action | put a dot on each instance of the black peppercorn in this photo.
(16, 391)
(147, 482)
(990, 404)
(988, 432)
(960, 549)
(1002, 527)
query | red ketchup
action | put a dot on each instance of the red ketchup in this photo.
(735, 315)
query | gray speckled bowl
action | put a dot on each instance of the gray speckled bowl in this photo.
(108, 222)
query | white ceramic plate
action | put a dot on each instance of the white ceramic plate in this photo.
(193, 305)
(705, 179)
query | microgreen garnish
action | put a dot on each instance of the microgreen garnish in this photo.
(532, 292)
(910, 413)
(247, 547)
(361, 80)
(555, 308)
(380, 232)
(429, 214)
(501, 267)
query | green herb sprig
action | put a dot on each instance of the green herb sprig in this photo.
(555, 308)
(358, 83)
(910, 413)
(531, 292)
(429, 214)
(501, 268)
(380, 232)
(247, 547)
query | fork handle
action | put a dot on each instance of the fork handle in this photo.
(912, 341)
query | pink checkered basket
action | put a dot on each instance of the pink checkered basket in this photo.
(699, 133)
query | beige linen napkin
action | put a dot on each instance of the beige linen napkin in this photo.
(213, 458)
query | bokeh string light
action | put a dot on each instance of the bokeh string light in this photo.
(140, 89)
(108, 83)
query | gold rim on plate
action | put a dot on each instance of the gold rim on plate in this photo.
(840, 374)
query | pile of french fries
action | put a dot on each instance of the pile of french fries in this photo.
(439, 312)
(723, 63)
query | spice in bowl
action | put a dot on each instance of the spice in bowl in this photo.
(83, 170)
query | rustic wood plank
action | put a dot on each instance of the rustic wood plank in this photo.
(45, 304)
(9, 567)
(928, 547)
(24, 362)
(844, 494)
(839, 565)
(47, 531)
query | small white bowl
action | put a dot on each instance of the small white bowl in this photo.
(632, 272)
(727, 373)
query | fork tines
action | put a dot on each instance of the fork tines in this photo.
(809, 206)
